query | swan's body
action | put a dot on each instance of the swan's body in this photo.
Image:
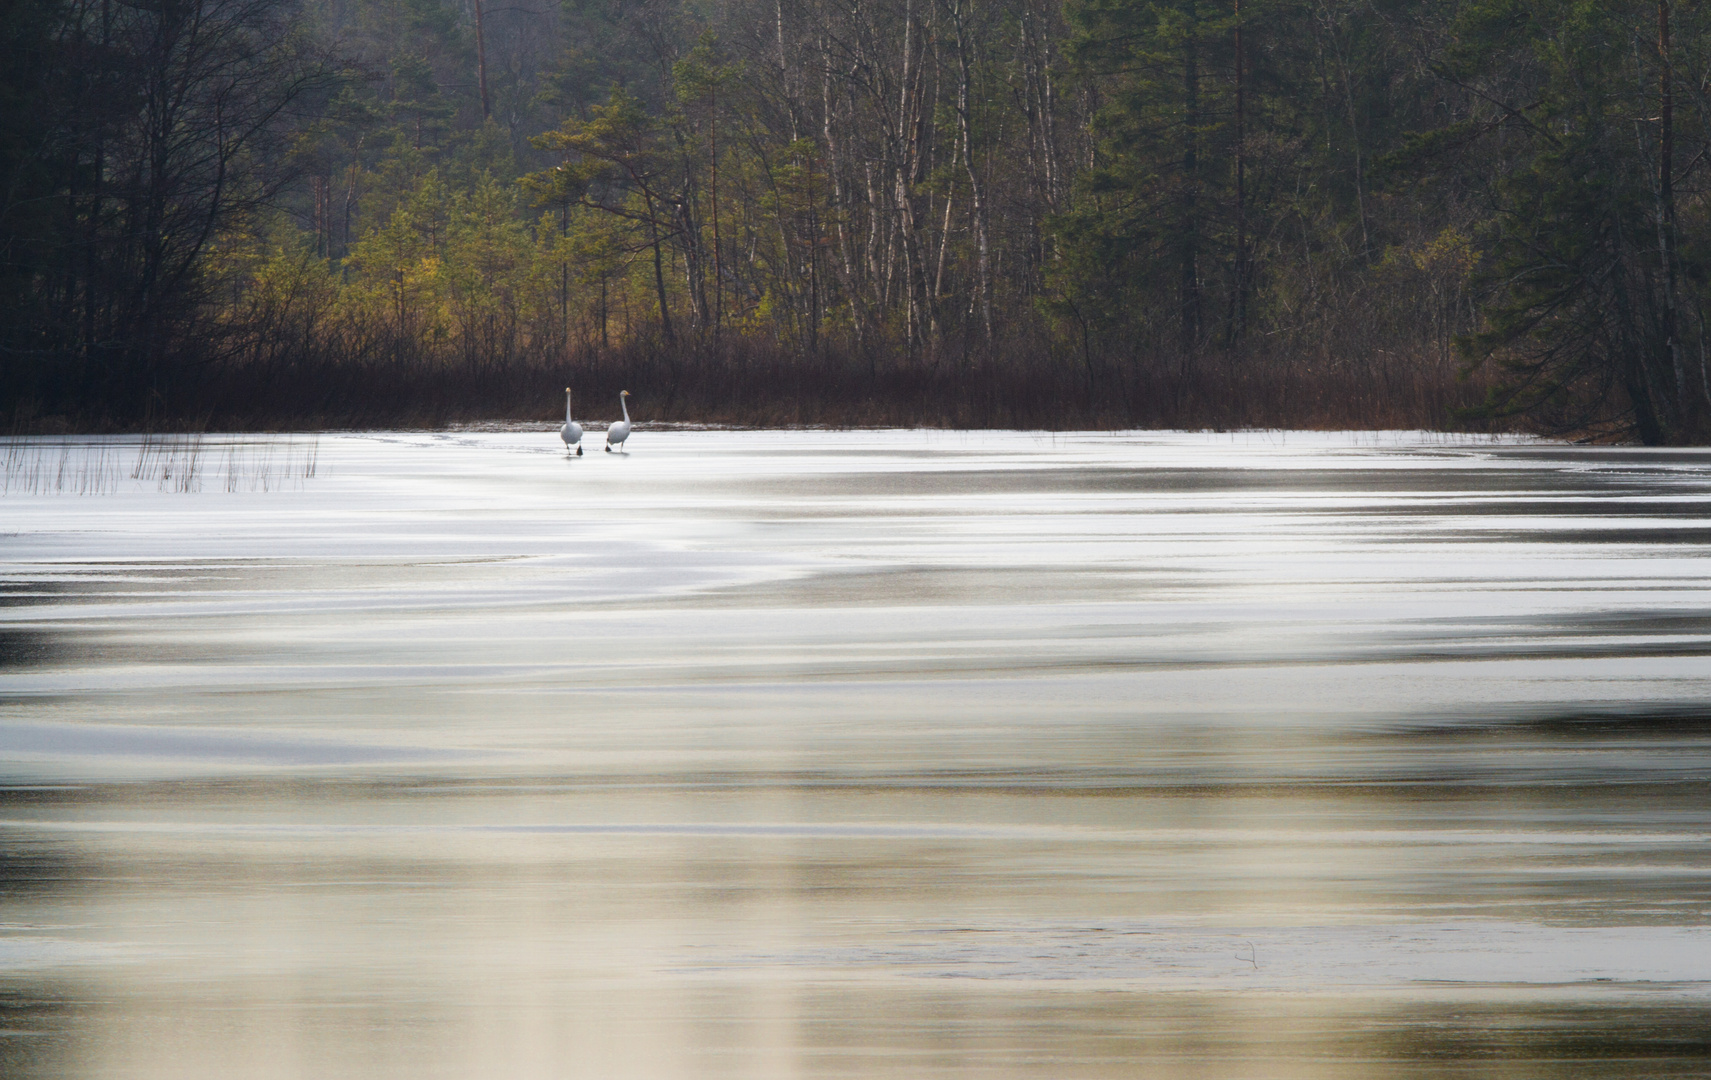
(618, 432)
(571, 432)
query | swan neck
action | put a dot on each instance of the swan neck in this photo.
(625, 405)
(567, 406)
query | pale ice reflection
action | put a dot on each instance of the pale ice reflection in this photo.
(898, 754)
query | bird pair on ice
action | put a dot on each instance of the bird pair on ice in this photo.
(571, 432)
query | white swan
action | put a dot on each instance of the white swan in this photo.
(618, 432)
(571, 432)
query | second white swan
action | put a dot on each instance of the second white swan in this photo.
(618, 432)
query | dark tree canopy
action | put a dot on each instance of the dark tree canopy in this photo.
(1143, 211)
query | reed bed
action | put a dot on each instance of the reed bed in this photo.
(174, 463)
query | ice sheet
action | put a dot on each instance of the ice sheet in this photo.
(758, 744)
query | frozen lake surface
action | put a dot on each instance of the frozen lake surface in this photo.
(879, 754)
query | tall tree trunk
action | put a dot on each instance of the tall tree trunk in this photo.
(790, 95)
(1666, 207)
(713, 159)
(481, 61)
(813, 261)
(1189, 241)
(564, 283)
(350, 199)
(840, 204)
(659, 270)
(1238, 307)
(1354, 129)
(904, 170)
(982, 255)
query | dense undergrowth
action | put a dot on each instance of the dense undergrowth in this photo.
(748, 384)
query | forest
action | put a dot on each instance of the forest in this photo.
(266, 214)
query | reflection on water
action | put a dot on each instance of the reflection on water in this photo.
(864, 754)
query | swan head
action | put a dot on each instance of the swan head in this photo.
(623, 393)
